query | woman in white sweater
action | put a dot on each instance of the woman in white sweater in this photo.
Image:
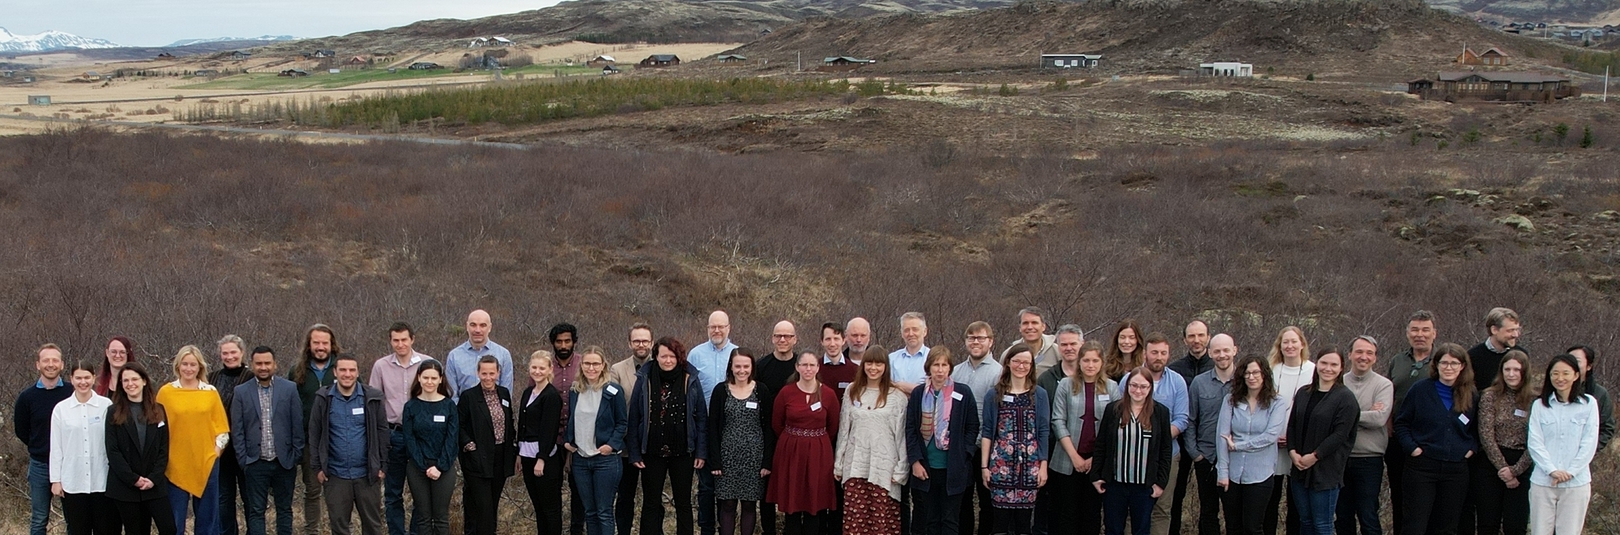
(871, 457)
(1291, 370)
(1562, 441)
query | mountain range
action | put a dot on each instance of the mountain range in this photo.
(50, 40)
(259, 40)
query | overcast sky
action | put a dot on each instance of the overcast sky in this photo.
(160, 22)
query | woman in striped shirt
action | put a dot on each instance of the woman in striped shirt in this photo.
(1132, 466)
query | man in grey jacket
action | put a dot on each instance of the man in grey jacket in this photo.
(348, 444)
(267, 428)
(1205, 393)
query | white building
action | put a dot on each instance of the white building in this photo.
(1226, 68)
(1069, 61)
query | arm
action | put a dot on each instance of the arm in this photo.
(913, 431)
(505, 363)
(58, 457)
(568, 430)
(316, 432)
(1487, 428)
(1179, 417)
(633, 419)
(1343, 427)
(1404, 420)
(1276, 425)
(1606, 414)
(1223, 428)
(1043, 425)
(221, 425)
(897, 427)
(1375, 419)
(695, 401)
(1589, 439)
(1102, 463)
(1165, 451)
(833, 410)
(464, 431)
(767, 415)
(20, 423)
(289, 410)
(717, 423)
(970, 409)
(239, 420)
(778, 414)
(841, 443)
(550, 408)
(118, 469)
(1535, 443)
(987, 418)
(448, 445)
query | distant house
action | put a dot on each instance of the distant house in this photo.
(1493, 57)
(39, 100)
(28, 79)
(205, 72)
(1493, 87)
(425, 66)
(358, 60)
(294, 73)
(323, 53)
(601, 61)
(240, 55)
(1226, 68)
(764, 32)
(1069, 61)
(609, 69)
(660, 60)
(489, 41)
(165, 55)
(731, 58)
(7, 74)
(843, 63)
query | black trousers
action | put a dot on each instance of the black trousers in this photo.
(767, 510)
(1395, 468)
(576, 503)
(232, 489)
(624, 508)
(1434, 495)
(1013, 521)
(1246, 507)
(1179, 496)
(1076, 506)
(480, 496)
(88, 514)
(802, 524)
(936, 507)
(985, 515)
(1279, 488)
(138, 518)
(678, 469)
(545, 493)
(1209, 499)
(1500, 510)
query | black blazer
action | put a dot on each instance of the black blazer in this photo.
(1158, 467)
(128, 460)
(717, 425)
(1329, 430)
(541, 420)
(487, 460)
(964, 424)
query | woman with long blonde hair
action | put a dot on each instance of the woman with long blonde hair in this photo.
(198, 432)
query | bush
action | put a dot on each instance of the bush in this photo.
(1586, 137)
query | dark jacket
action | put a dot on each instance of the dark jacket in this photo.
(697, 418)
(960, 460)
(1425, 422)
(430, 433)
(129, 460)
(717, 424)
(1605, 413)
(1189, 366)
(488, 459)
(611, 420)
(1159, 442)
(1487, 364)
(540, 420)
(31, 417)
(310, 384)
(1329, 431)
(286, 422)
(377, 434)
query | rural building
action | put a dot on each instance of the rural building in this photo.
(205, 72)
(28, 79)
(323, 53)
(7, 74)
(358, 60)
(1069, 61)
(165, 55)
(660, 60)
(425, 66)
(1493, 87)
(609, 69)
(1492, 56)
(39, 100)
(844, 63)
(1226, 68)
(601, 61)
(731, 58)
(489, 41)
(240, 55)
(294, 73)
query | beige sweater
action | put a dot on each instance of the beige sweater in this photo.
(872, 440)
(1372, 437)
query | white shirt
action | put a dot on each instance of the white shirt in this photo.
(79, 445)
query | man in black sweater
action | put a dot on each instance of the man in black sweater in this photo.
(1196, 362)
(1502, 330)
(32, 418)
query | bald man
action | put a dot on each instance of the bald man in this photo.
(857, 335)
(1205, 394)
(711, 359)
(461, 364)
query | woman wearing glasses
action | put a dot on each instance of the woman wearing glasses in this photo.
(1436, 430)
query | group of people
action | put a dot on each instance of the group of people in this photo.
(1054, 434)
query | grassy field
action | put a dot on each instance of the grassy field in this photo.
(323, 80)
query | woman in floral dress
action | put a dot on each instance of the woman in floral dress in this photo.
(1013, 438)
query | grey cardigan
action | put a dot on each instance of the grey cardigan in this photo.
(1067, 411)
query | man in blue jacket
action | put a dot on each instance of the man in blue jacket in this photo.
(267, 428)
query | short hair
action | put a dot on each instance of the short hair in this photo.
(202, 362)
(261, 349)
(637, 325)
(44, 347)
(834, 326)
(488, 359)
(402, 327)
(1421, 315)
(559, 329)
(356, 360)
(979, 326)
(232, 339)
(914, 316)
(1037, 311)
(675, 346)
(1070, 328)
(1365, 338)
(1155, 337)
(938, 352)
(1498, 316)
(1190, 324)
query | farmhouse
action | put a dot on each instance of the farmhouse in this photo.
(1493, 87)
(660, 60)
(844, 63)
(358, 60)
(601, 61)
(1226, 68)
(731, 58)
(165, 55)
(425, 66)
(1492, 56)
(322, 53)
(39, 100)
(489, 41)
(240, 55)
(293, 73)
(609, 69)
(1069, 61)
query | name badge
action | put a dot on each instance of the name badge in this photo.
(751, 405)
(1463, 418)
(815, 406)
(1519, 413)
(843, 385)
(1006, 399)
(357, 411)
(504, 403)
(1103, 398)
(956, 396)
(95, 419)
(613, 390)
(438, 418)
(161, 424)
(857, 403)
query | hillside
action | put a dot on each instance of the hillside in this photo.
(1571, 11)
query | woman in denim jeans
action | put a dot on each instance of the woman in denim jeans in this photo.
(1322, 429)
(595, 436)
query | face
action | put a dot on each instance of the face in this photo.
(1363, 355)
(874, 370)
(320, 346)
(1127, 341)
(1329, 366)
(49, 364)
(1031, 327)
(264, 366)
(940, 371)
(540, 370)
(563, 345)
(742, 368)
(1580, 356)
(1221, 351)
(83, 381)
(488, 372)
(783, 337)
(348, 373)
(1254, 377)
(1020, 365)
(719, 328)
(859, 334)
(1069, 346)
(1450, 369)
(1197, 338)
(666, 358)
(641, 344)
(978, 344)
(913, 331)
(593, 366)
(1562, 376)
(132, 383)
(117, 354)
(429, 379)
(1513, 374)
(478, 327)
(808, 366)
(1292, 345)
(1091, 364)
(1420, 334)
(832, 343)
(230, 354)
(1139, 387)
(1507, 335)
(189, 367)
(401, 342)
(1157, 356)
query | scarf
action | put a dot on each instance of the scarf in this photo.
(936, 414)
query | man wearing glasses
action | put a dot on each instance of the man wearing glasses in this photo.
(624, 373)
(711, 360)
(980, 373)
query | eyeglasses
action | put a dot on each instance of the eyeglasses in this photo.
(641, 342)
(1254, 373)
(978, 338)
(784, 336)
(1449, 364)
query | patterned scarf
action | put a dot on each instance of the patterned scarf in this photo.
(936, 414)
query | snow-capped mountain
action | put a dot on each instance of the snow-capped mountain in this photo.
(50, 40)
(185, 42)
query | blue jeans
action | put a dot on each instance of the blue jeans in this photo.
(1358, 500)
(1127, 500)
(266, 479)
(206, 506)
(1315, 507)
(39, 496)
(598, 479)
(394, 487)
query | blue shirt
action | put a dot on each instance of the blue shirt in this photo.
(1171, 390)
(461, 366)
(348, 447)
(909, 367)
(1255, 432)
(711, 364)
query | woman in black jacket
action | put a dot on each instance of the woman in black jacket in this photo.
(666, 435)
(740, 430)
(1436, 429)
(487, 446)
(942, 420)
(1132, 465)
(1322, 430)
(138, 454)
(539, 431)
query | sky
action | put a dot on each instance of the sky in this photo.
(160, 22)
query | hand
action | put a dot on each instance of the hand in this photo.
(1040, 478)
(1084, 465)
(469, 447)
(1075, 459)
(1230, 445)
(1512, 483)
(1294, 455)
(1099, 485)
(918, 471)
(539, 467)
(1157, 492)
(697, 463)
(1505, 474)
(433, 473)
(1223, 484)
(764, 472)
(1282, 441)
(1560, 477)
(716, 473)
(1378, 406)
(382, 474)
(1198, 459)
(1469, 455)
(321, 477)
(640, 464)
(1417, 452)
(1306, 461)
(571, 449)
(986, 479)
(56, 490)
(608, 450)
(143, 484)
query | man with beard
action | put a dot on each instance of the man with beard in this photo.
(563, 338)
(858, 335)
(31, 417)
(269, 439)
(624, 373)
(231, 373)
(980, 373)
(711, 360)
(1170, 389)
(1205, 395)
(1501, 335)
(310, 373)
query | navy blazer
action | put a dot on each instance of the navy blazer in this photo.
(286, 422)
(611, 420)
(964, 430)
(1425, 422)
(697, 413)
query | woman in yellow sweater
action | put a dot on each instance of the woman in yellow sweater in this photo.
(198, 431)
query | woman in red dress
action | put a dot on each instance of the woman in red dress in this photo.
(806, 422)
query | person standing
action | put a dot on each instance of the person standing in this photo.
(120, 351)
(564, 337)
(1016, 427)
(311, 373)
(1068, 340)
(137, 455)
(31, 423)
(906, 363)
(594, 434)
(1502, 331)
(1252, 418)
(269, 437)
(774, 371)
(392, 375)
(198, 433)
(1291, 370)
(1364, 473)
(348, 448)
(1197, 361)
(429, 421)
(1436, 429)
(232, 372)
(858, 336)
(942, 419)
(667, 434)
(484, 430)
(539, 429)
(980, 372)
(1404, 370)
(712, 362)
(1561, 483)
(1323, 426)
(870, 458)
(1032, 333)
(837, 370)
(1133, 459)
(1077, 406)
(741, 443)
(78, 462)
(1501, 488)
(461, 363)
(1124, 350)
(1206, 395)
(1588, 359)
(1170, 389)
(805, 416)
(625, 373)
